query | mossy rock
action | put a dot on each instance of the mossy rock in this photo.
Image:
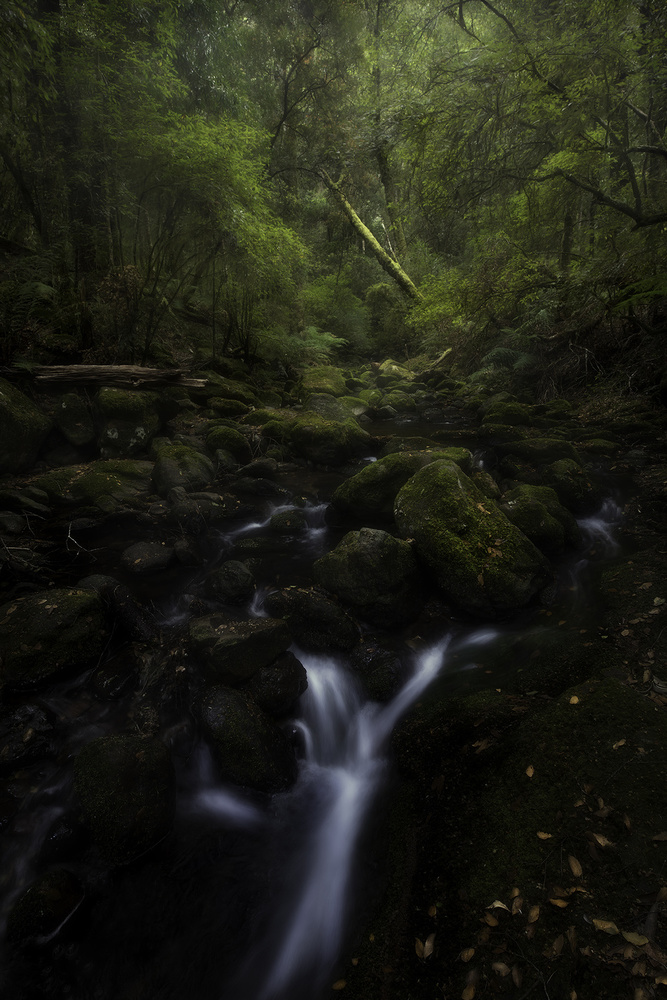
(218, 387)
(231, 582)
(23, 428)
(375, 574)
(228, 407)
(248, 747)
(545, 451)
(323, 378)
(49, 633)
(400, 401)
(480, 560)
(127, 421)
(502, 434)
(537, 511)
(316, 622)
(74, 419)
(105, 484)
(372, 397)
(508, 413)
(259, 417)
(390, 373)
(575, 489)
(328, 406)
(179, 465)
(232, 651)
(327, 442)
(125, 785)
(231, 440)
(371, 492)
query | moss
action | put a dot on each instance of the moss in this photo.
(103, 484)
(327, 442)
(323, 378)
(24, 428)
(400, 401)
(229, 440)
(480, 560)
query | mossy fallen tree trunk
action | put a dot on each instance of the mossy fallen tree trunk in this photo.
(392, 267)
(125, 375)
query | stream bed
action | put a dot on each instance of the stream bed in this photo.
(251, 896)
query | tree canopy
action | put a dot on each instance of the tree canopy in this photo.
(308, 176)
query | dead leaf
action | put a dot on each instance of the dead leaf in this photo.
(574, 700)
(515, 892)
(432, 911)
(468, 993)
(482, 745)
(562, 903)
(579, 802)
(544, 836)
(557, 946)
(621, 743)
(534, 913)
(633, 938)
(428, 945)
(660, 836)
(340, 984)
(601, 840)
(501, 968)
(419, 948)
(490, 920)
(467, 954)
(608, 926)
(517, 976)
(497, 905)
(530, 770)
(575, 867)
(517, 903)
(662, 895)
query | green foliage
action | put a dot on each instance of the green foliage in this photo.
(329, 304)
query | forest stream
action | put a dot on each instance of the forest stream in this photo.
(253, 893)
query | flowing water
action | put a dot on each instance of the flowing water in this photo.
(259, 904)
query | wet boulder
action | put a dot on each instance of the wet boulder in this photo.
(480, 560)
(328, 406)
(232, 651)
(544, 451)
(539, 514)
(24, 428)
(277, 687)
(125, 785)
(44, 908)
(316, 622)
(48, 634)
(326, 442)
(127, 421)
(179, 465)
(371, 492)
(389, 372)
(248, 746)
(144, 558)
(400, 401)
(218, 387)
(192, 511)
(103, 485)
(232, 582)
(379, 667)
(376, 574)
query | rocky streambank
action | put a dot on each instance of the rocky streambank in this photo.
(445, 503)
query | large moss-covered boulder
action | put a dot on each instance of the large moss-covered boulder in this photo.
(544, 451)
(125, 785)
(539, 514)
(323, 378)
(391, 373)
(372, 491)
(225, 438)
(376, 574)
(232, 582)
(327, 442)
(509, 413)
(232, 651)
(22, 429)
(74, 419)
(575, 489)
(105, 485)
(180, 465)
(480, 560)
(127, 421)
(219, 387)
(49, 633)
(317, 623)
(248, 746)
(399, 400)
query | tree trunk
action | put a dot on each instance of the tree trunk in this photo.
(393, 269)
(391, 199)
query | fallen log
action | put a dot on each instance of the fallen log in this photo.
(122, 375)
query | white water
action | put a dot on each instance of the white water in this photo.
(344, 740)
